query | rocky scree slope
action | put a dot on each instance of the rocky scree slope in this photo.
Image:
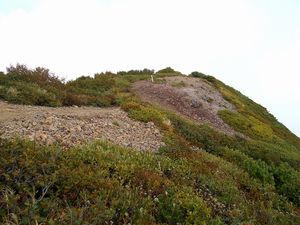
(70, 126)
(191, 97)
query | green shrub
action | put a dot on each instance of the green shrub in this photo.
(36, 87)
(178, 84)
(30, 94)
(181, 207)
(201, 135)
(2, 77)
(249, 125)
(197, 74)
(147, 114)
(159, 80)
(91, 86)
(40, 76)
(255, 168)
(3, 91)
(122, 84)
(130, 106)
(167, 70)
(272, 152)
(136, 72)
(287, 182)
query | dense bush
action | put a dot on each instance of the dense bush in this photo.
(136, 72)
(40, 87)
(168, 70)
(255, 168)
(197, 74)
(201, 135)
(104, 184)
(91, 86)
(40, 76)
(248, 125)
(287, 182)
(182, 207)
(30, 94)
(2, 76)
(147, 114)
(35, 87)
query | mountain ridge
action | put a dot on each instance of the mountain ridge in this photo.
(225, 159)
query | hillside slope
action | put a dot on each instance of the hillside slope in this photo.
(217, 157)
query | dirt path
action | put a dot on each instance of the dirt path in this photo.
(72, 125)
(191, 97)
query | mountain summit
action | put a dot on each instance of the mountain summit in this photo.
(141, 147)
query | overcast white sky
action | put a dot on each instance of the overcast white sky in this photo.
(252, 45)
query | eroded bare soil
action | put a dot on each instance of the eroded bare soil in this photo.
(69, 126)
(191, 97)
